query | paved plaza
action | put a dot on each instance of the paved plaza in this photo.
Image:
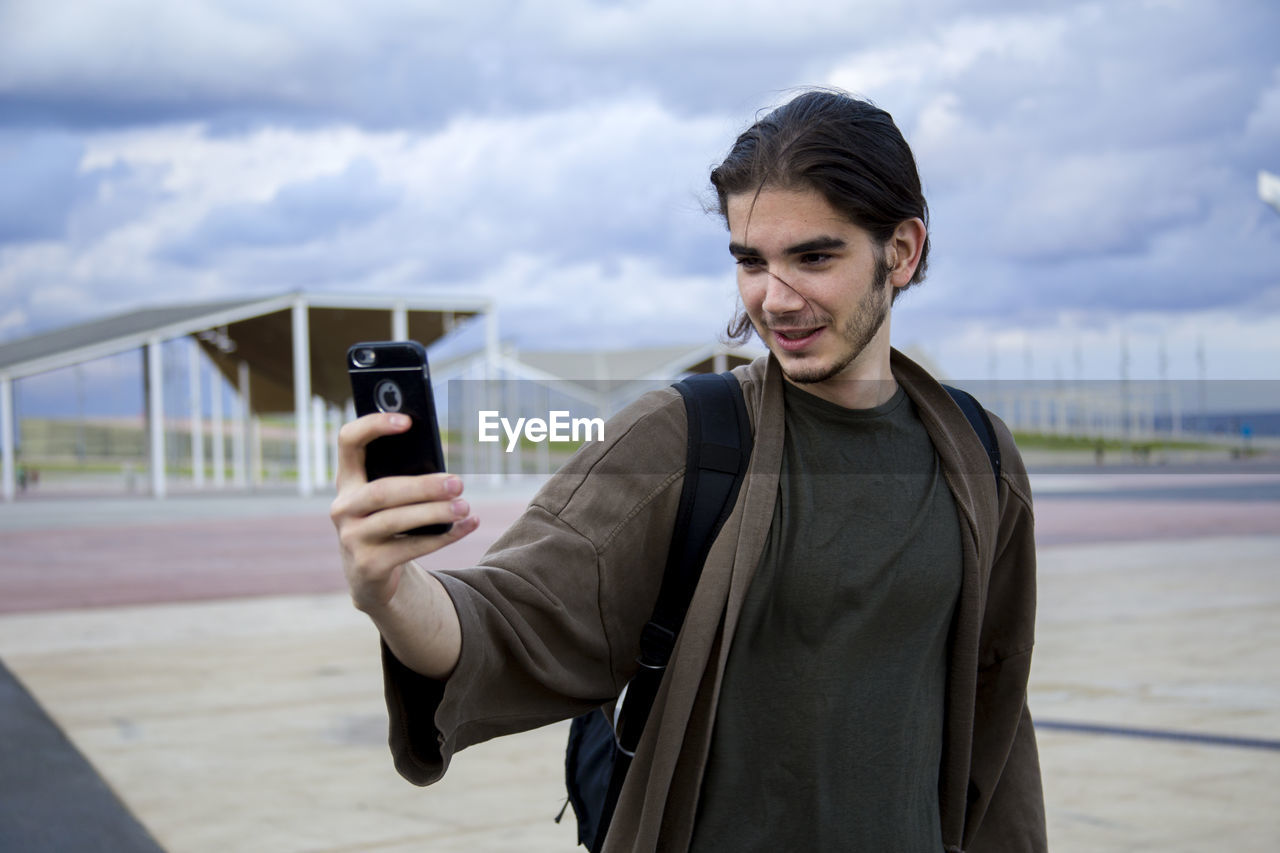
(202, 655)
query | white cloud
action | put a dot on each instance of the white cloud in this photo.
(590, 304)
(194, 43)
(1084, 157)
(602, 189)
(927, 62)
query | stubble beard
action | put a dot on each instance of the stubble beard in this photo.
(857, 332)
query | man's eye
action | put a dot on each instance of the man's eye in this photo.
(814, 258)
(749, 263)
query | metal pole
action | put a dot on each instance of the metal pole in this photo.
(318, 444)
(492, 356)
(334, 415)
(197, 419)
(216, 430)
(9, 475)
(302, 395)
(155, 416)
(241, 436)
(255, 452)
(399, 322)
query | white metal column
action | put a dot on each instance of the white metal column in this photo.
(216, 432)
(302, 395)
(155, 416)
(335, 424)
(8, 471)
(255, 452)
(197, 418)
(492, 359)
(513, 462)
(399, 322)
(319, 456)
(1175, 408)
(240, 438)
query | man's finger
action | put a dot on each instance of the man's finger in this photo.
(387, 492)
(356, 435)
(423, 545)
(390, 522)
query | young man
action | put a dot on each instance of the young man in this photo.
(852, 671)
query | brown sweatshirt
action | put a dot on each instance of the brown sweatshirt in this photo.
(551, 621)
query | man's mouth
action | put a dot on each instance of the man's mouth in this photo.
(793, 340)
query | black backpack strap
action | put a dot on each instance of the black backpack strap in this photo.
(718, 453)
(715, 465)
(977, 417)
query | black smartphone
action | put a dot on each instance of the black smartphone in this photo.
(392, 376)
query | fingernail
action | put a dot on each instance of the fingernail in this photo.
(453, 486)
(461, 508)
(399, 421)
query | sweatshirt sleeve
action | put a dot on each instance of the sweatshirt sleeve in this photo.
(1006, 799)
(551, 617)
(1014, 821)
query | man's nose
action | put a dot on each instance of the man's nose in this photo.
(780, 297)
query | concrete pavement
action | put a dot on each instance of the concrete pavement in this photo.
(230, 714)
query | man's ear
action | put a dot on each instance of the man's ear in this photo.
(904, 249)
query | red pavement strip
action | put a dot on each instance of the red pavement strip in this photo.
(228, 558)
(154, 563)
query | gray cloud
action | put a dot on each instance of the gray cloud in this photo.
(396, 64)
(299, 213)
(1094, 158)
(1097, 158)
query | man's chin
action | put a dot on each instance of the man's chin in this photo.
(806, 371)
(808, 378)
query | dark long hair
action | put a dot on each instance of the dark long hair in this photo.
(847, 149)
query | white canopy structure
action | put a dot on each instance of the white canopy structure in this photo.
(283, 353)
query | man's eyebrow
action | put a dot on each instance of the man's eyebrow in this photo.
(817, 244)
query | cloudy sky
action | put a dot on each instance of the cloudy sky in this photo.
(1091, 168)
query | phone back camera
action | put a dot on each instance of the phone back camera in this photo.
(388, 396)
(364, 357)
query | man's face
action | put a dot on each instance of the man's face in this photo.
(813, 283)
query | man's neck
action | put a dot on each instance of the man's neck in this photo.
(864, 383)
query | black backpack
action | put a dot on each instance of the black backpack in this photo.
(599, 751)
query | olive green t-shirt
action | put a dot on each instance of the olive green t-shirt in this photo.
(828, 731)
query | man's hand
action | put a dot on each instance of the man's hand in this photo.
(370, 516)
